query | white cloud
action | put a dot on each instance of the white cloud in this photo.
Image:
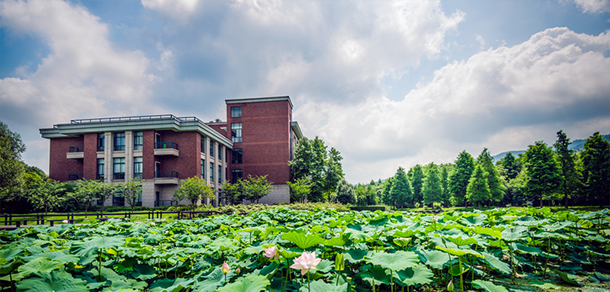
(503, 99)
(593, 6)
(82, 76)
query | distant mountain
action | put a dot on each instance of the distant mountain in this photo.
(576, 145)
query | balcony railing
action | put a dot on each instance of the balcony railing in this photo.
(76, 149)
(119, 175)
(166, 145)
(75, 176)
(166, 174)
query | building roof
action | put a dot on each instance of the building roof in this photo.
(259, 99)
(134, 123)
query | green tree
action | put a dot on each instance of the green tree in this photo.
(299, 190)
(11, 166)
(417, 184)
(401, 190)
(567, 166)
(194, 189)
(496, 188)
(321, 166)
(433, 188)
(104, 192)
(446, 195)
(131, 191)
(45, 196)
(257, 187)
(386, 194)
(231, 192)
(596, 174)
(510, 166)
(85, 192)
(477, 190)
(346, 193)
(541, 170)
(458, 184)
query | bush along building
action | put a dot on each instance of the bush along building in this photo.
(258, 138)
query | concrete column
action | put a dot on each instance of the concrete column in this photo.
(108, 157)
(128, 155)
(215, 170)
(207, 164)
(224, 164)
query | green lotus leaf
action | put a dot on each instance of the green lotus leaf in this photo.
(39, 266)
(7, 254)
(514, 233)
(253, 283)
(496, 263)
(143, 272)
(402, 242)
(321, 286)
(397, 261)
(460, 252)
(543, 285)
(568, 278)
(461, 240)
(55, 255)
(434, 258)
(356, 255)
(475, 220)
(488, 231)
(404, 233)
(488, 286)
(303, 241)
(455, 270)
(88, 249)
(378, 274)
(170, 285)
(51, 282)
(418, 275)
(337, 241)
(522, 248)
(324, 266)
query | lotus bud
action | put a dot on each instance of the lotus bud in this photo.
(450, 286)
(339, 262)
(225, 268)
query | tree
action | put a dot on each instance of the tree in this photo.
(511, 166)
(194, 189)
(45, 196)
(541, 170)
(401, 190)
(477, 190)
(432, 189)
(231, 192)
(11, 166)
(567, 167)
(417, 184)
(85, 192)
(257, 187)
(458, 184)
(105, 192)
(386, 195)
(131, 191)
(596, 163)
(446, 195)
(299, 190)
(496, 189)
(321, 166)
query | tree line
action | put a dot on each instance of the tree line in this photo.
(542, 175)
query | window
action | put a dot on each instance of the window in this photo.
(138, 140)
(236, 174)
(236, 156)
(100, 168)
(202, 144)
(118, 168)
(101, 141)
(220, 174)
(137, 167)
(119, 141)
(219, 152)
(202, 168)
(211, 172)
(236, 132)
(236, 112)
(211, 148)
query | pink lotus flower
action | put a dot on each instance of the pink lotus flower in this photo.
(272, 253)
(225, 268)
(306, 262)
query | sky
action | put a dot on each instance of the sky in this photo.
(386, 83)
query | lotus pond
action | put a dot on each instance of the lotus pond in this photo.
(504, 249)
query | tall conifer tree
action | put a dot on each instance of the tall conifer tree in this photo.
(596, 162)
(417, 184)
(401, 190)
(567, 166)
(433, 189)
(464, 166)
(541, 170)
(477, 191)
(496, 189)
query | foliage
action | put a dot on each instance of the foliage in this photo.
(567, 166)
(299, 189)
(416, 175)
(596, 162)
(321, 166)
(11, 166)
(346, 193)
(193, 189)
(84, 193)
(478, 190)
(231, 192)
(433, 189)
(446, 195)
(496, 189)
(400, 192)
(45, 195)
(256, 187)
(541, 170)
(458, 184)
(510, 166)
(131, 191)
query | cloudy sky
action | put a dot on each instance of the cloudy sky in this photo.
(387, 83)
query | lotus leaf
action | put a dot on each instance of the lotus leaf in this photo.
(488, 286)
(246, 284)
(397, 261)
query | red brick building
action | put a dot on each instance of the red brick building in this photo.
(258, 138)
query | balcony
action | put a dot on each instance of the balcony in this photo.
(76, 152)
(166, 148)
(166, 177)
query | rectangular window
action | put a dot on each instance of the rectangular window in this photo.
(100, 168)
(101, 141)
(138, 140)
(236, 132)
(118, 168)
(202, 144)
(236, 156)
(236, 112)
(119, 141)
(211, 172)
(202, 168)
(236, 174)
(219, 152)
(220, 174)
(137, 167)
(211, 148)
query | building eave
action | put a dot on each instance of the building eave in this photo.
(297, 130)
(259, 99)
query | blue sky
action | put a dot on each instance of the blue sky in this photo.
(387, 83)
